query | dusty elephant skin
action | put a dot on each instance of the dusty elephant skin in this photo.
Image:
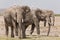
(44, 16)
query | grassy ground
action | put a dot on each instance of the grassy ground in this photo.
(57, 14)
(30, 38)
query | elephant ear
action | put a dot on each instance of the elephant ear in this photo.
(26, 9)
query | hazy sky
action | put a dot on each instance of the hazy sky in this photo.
(43, 4)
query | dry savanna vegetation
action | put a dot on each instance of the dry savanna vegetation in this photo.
(54, 31)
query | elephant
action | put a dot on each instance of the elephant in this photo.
(43, 16)
(13, 17)
(31, 19)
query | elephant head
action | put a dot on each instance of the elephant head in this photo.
(52, 16)
(26, 9)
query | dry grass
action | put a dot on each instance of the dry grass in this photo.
(54, 32)
(33, 38)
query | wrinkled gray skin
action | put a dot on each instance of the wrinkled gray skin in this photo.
(44, 16)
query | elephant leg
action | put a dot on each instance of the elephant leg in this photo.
(32, 28)
(45, 23)
(38, 29)
(36, 22)
(19, 30)
(7, 29)
(6, 26)
(16, 28)
(49, 23)
(12, 31)
(24, 27)
(15, 24)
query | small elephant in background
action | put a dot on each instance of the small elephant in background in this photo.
(44, 15)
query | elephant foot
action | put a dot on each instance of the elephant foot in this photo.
(16, 34)
(47, 35)
(44, 26)
(31, 33)
(6, 35)
(19, 37)
(22, 37)
(12, 36)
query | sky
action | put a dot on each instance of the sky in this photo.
(42, 4)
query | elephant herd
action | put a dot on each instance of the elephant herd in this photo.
(20, 17)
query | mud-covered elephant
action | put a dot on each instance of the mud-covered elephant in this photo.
(44, 15)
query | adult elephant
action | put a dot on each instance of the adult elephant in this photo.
(44, 15)
(30, 19)
(13, 16)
